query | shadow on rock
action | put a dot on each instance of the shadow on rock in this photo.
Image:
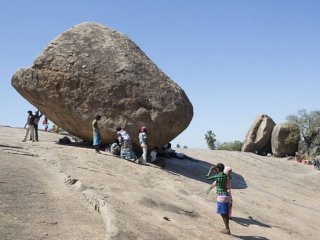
(198, 169)
(249, 221)
(251, 237)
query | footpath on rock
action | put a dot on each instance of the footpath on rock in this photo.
(53, 191)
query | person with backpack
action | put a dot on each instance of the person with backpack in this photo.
(125, 144)
(29, 126)
(143, 142)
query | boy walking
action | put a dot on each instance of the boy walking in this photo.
(223, 199)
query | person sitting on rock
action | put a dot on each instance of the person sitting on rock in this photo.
(115, 148)
(154, 159)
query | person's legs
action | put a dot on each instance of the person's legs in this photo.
(225, 218)
(143, 159)
(36, 132)
(27, 133)
(223, 210)
(32, 133)
(97, 148)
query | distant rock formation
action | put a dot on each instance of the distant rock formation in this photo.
(91, 69)
(280, 147)
(258, 138)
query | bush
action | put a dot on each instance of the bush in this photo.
(231, 146)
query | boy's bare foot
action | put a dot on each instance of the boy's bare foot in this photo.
(225, 231)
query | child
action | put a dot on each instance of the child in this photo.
(223, 199)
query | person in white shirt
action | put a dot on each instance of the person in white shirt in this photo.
(143, 143)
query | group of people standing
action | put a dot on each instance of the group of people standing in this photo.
(123, 144)
(31, 126)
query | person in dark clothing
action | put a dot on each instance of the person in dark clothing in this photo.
(36, 121)
(29, 126)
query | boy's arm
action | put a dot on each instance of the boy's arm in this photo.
(210, 170)
(211, 186)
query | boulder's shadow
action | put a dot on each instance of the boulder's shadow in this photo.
(189, 167)
(198, 169)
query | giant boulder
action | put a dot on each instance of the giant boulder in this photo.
(258, 138)
(281, 147)
(91, 69)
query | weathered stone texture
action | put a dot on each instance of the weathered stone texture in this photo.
(281, 147)
(91, 69)
(258, 138)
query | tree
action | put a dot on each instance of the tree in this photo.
(210, 139)
(309, 126)
(178, 145)
(230, 146)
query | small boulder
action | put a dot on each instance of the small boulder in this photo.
(258, 138)
(281, 146)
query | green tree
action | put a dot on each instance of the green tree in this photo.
(309, 126)
(178, 145)
(210, 138)
(230, 146)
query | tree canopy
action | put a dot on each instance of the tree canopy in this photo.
(210, 138)
(309, 127)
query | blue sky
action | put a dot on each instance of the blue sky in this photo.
(234, 59)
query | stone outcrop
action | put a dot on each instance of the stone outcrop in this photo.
(258, 138)
(91, 69)
(280, 145)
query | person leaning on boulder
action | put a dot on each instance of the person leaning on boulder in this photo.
(36, 121)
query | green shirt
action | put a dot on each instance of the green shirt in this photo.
(221, 182)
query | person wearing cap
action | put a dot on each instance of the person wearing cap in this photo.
(143, 143)
(96, 134)
(220, 181)
(29, 126)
